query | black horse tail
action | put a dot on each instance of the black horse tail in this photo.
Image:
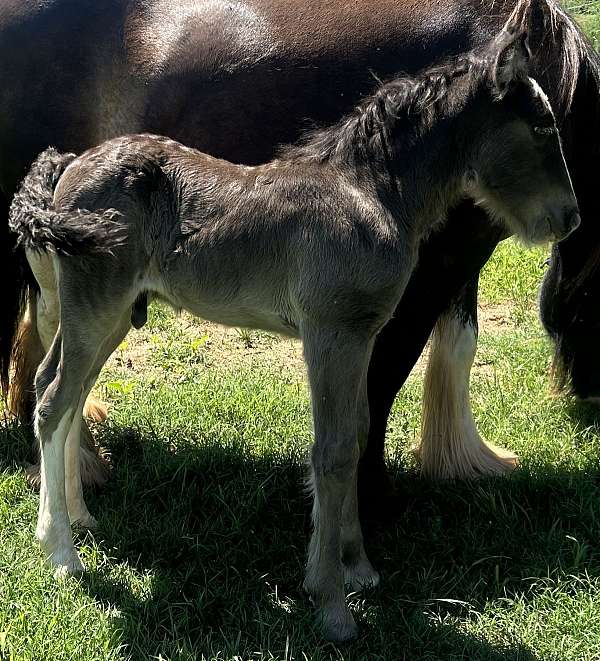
(15, 284)
(39, 226)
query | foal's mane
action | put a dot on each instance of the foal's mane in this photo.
(401, 98)
(410, 96)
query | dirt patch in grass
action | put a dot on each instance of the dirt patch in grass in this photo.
(495, 318)
(212, 345)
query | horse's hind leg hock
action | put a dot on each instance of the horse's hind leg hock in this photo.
(358, 570)
(336, 364)
(451, 447)
(55, 411)
(46, 321)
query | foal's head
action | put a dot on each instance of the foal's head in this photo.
(518, 172)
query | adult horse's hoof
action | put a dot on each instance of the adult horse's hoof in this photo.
(66, 562)
(72, 568)
(337, 624)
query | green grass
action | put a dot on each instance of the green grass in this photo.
(587, 13)
(204, 524)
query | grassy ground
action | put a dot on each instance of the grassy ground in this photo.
(204, 524)
(587, 12)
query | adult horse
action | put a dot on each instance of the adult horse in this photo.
(237, 78)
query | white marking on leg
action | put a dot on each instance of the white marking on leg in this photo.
(78, 511)
(451, 447)
(53, 530)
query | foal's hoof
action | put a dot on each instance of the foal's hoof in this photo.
(360, 576)
(338, 625)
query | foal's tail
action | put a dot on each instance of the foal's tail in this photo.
(40, 226)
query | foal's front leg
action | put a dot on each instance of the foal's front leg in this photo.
(358, 570)
(336, 364)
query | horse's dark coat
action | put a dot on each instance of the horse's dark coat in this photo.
(237, 78)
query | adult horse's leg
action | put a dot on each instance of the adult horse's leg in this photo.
(451, 447)
(447, 261)
(336, 361)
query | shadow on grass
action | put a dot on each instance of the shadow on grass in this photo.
(207, 548)
(222, 537)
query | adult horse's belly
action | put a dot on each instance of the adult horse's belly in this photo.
(232, 78)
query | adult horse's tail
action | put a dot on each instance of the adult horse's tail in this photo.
(15, 283)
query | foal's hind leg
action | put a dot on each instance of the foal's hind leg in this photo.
(38, 329)
(62, 382)
(451, 447)
(78, 511)
(336, 361)
(57, 404)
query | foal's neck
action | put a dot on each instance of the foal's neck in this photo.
(419, 174)
(409, 144)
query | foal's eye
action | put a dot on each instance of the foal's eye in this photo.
(544, 130)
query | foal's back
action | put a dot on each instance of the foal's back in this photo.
(240, 245)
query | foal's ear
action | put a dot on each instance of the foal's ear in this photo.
(511, 63)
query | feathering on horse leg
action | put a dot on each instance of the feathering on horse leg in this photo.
(451, 447)
(27, 355)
